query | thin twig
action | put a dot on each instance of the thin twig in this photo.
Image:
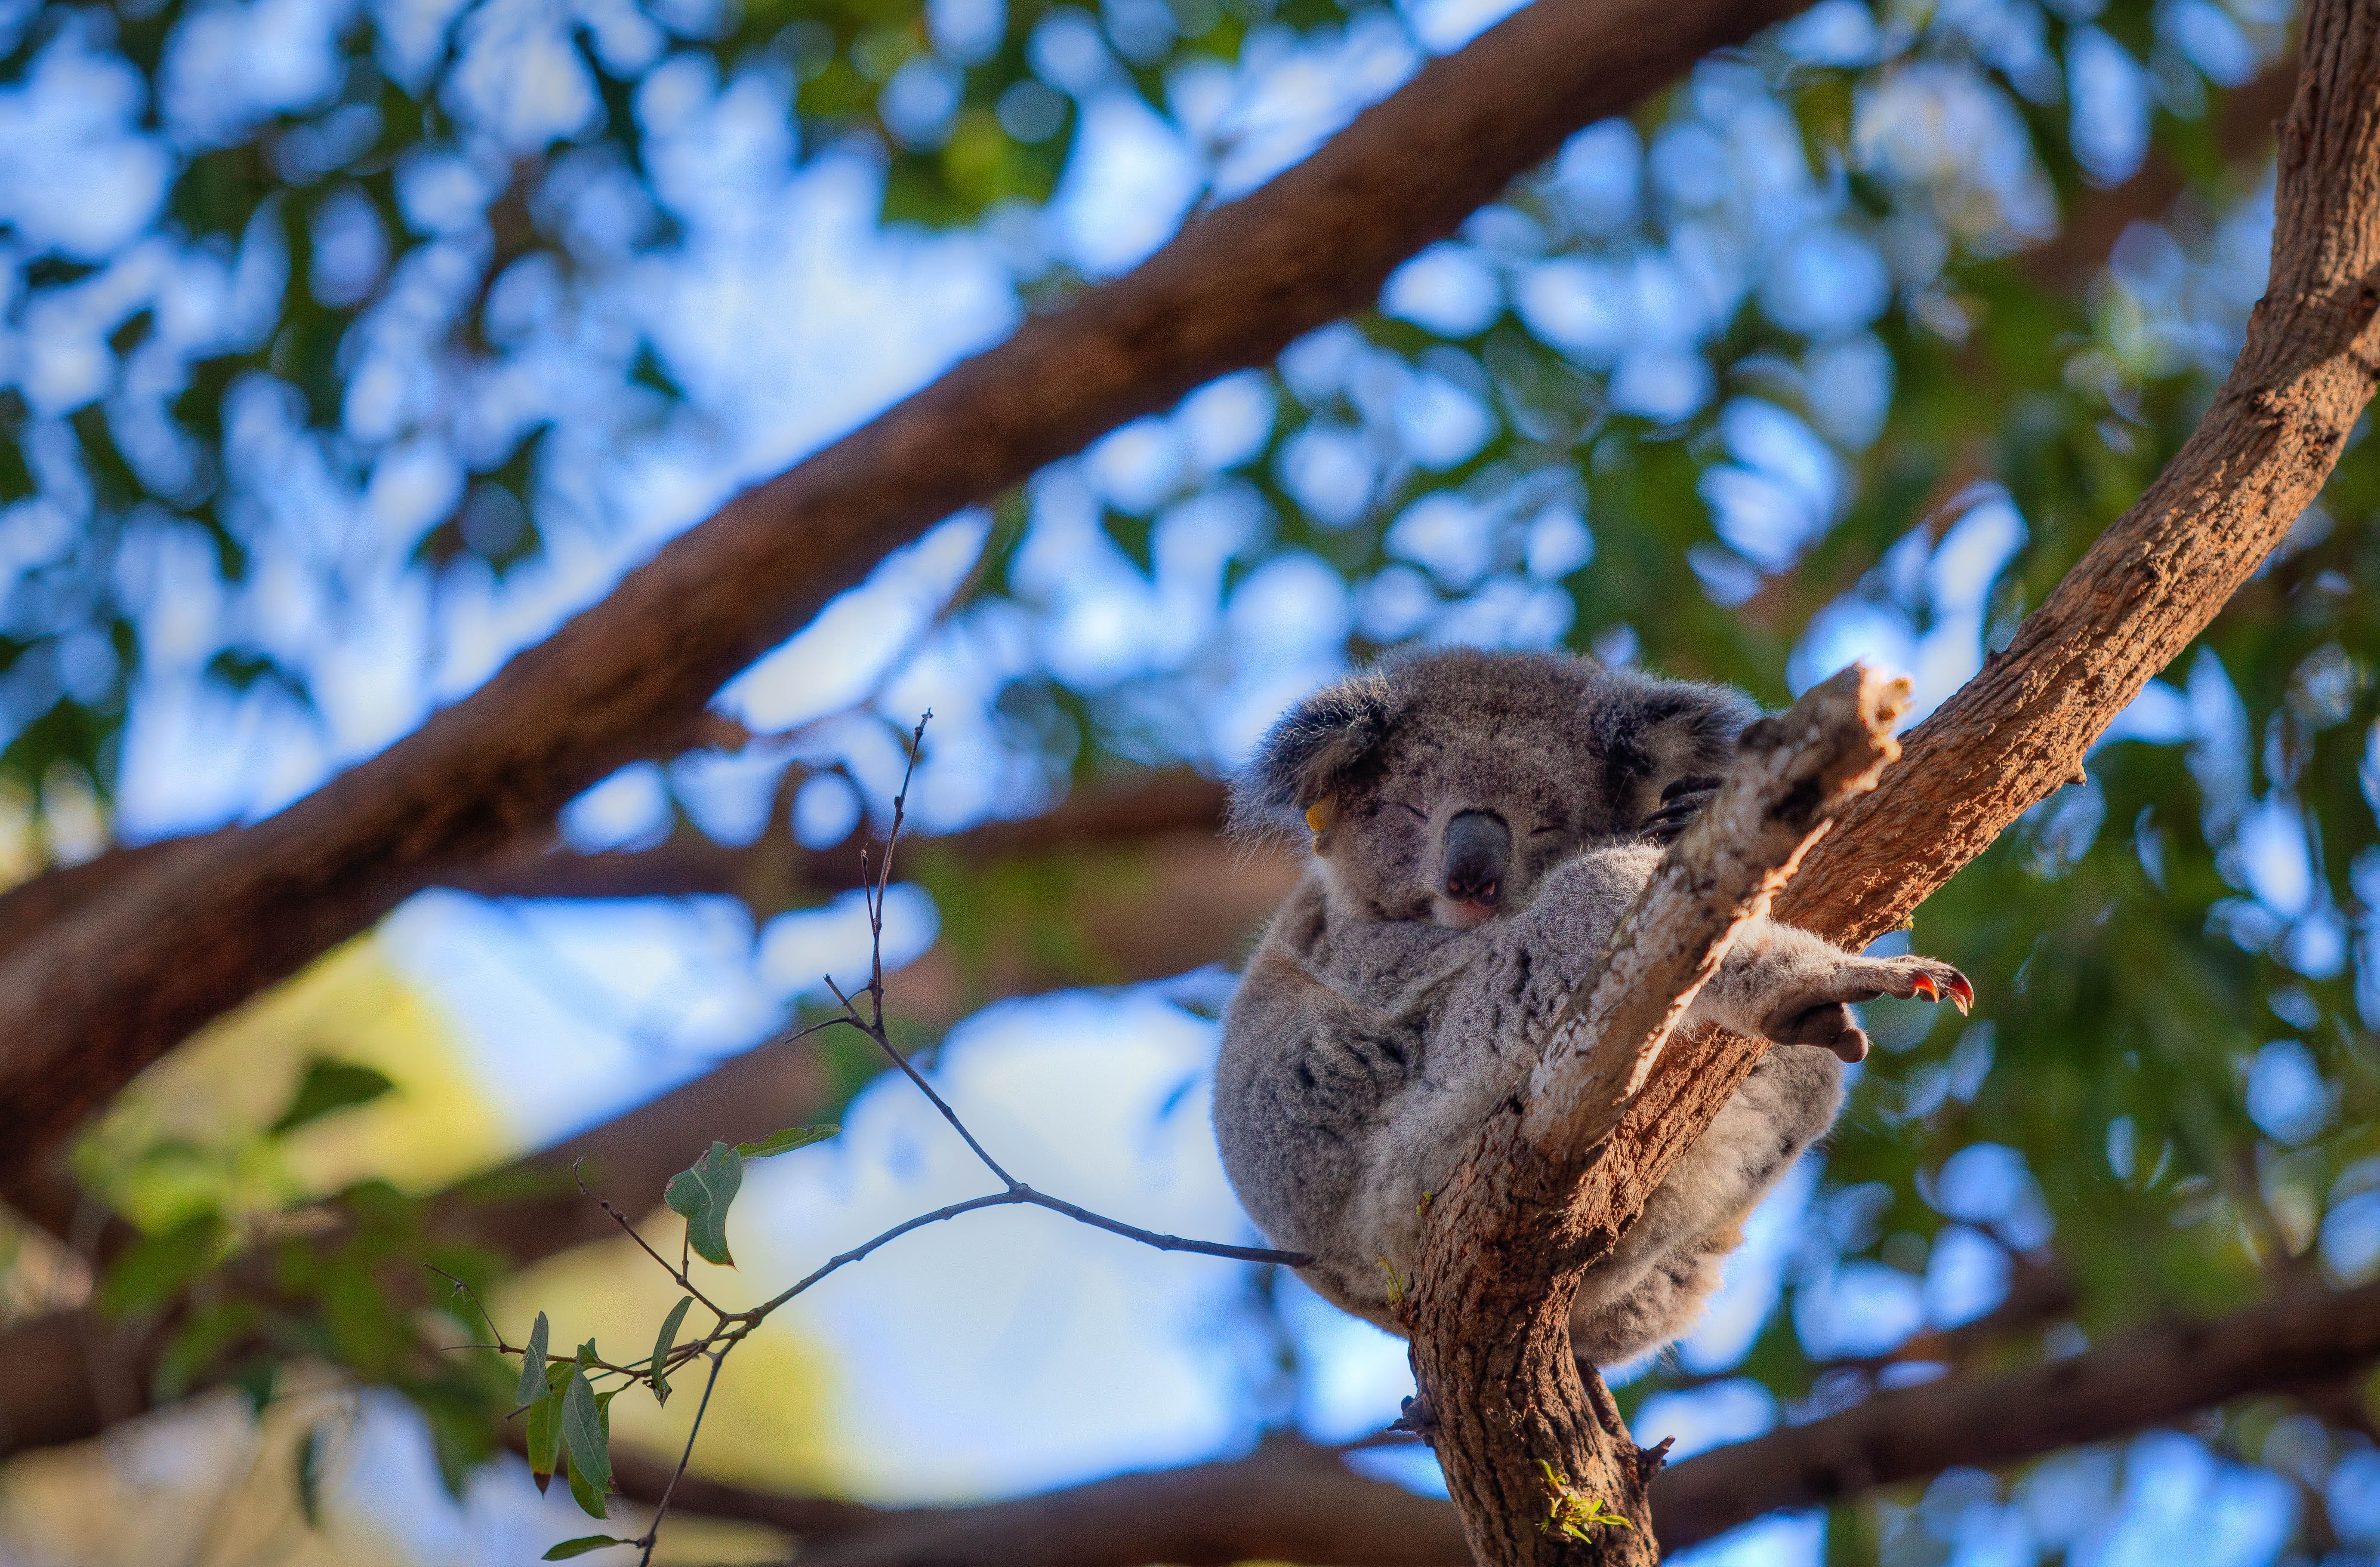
(653, 1531)
(680, 1274)
(910, 1071)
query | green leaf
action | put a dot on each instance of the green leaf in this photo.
(329, 1085)
(155, 1267)
(310, 1477)
(580, 1546)
(786, 1141)
(533, 1384)
(663, 1345)
(702, 1195)
(545, 1426)
(582, 1434)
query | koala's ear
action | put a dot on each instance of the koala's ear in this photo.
(1655, 731)
(1309, 755)
(1690, 729)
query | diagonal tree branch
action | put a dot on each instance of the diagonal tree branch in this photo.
(2146, 1378)
(109, 988)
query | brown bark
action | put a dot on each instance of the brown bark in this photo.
(2019, 730)
(1151, 891)
(108, 989)
(1287, 1501)
(1525, 1442)
(775, 873)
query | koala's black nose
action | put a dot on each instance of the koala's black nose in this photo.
(1478, 846)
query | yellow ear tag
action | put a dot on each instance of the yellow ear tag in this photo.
(1319, 815)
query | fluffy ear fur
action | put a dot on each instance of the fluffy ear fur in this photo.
(1668, 729)
(1309, 752)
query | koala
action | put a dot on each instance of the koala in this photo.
(1480, 820)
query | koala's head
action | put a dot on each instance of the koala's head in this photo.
(1444, 785)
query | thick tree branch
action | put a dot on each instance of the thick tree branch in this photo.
(2144, 1379)
(1149, 892)
(775, 873)
(1287, 1501)
(2019, 730)
(105, 991)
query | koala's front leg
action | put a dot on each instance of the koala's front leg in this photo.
(1797, 989)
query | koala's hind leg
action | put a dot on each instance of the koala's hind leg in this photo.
(1796, 988)
(1655, 1284)
(1662, 1307)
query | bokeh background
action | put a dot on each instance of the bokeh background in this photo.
(347, 348)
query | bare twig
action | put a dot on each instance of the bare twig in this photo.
(652, 1537)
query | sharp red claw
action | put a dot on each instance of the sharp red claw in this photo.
(1961, 994)
(1923, 985)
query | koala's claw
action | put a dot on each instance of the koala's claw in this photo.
(1824, 1018)
(1929, 978)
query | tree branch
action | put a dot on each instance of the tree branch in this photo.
(105, 991)
(1792, 775)
(2144, 1379)
(2019, 731)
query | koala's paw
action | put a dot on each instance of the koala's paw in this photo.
(1821, 1013)
(1680, 803)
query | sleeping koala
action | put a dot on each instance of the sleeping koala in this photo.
(1480, 820)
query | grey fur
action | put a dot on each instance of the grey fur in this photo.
(1369, 1039)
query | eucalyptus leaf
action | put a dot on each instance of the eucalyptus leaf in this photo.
(583, 1436)
(664, 1344)
(786, 1141)
(545, 1425)
(702, 1195)
(329, 1085)
(533, 1382)
(580, 1546)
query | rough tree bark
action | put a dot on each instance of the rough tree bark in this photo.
(1491, 1356)
(97, 997)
